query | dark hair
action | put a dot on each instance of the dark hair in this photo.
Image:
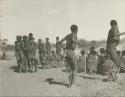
(113, 22)
(39, 39)
(74, 27)
(47, 38)
(82, 52)
(20, 37)
(102, 50)
(24, 36)
(17, 37)
(92, 48)
(30, 34)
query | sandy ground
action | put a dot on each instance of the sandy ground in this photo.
(36, 84)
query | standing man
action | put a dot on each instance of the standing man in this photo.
(71, 41)
(19, 52)
(29, 51)
(113, 41)
(48, 48)
(58, 46)
(41, 52)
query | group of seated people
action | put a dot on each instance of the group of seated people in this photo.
(94, 63)
(51, 60)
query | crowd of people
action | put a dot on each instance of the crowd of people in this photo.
(108, 62)
(26, 53)
(100, 62)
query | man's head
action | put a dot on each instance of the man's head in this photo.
(102, 51)
(82, 52)
(17, 37)
(24, 38)
(57, 38)
(39, 40)
(47, 39)
(74, 28)
(113, 22)
(20, 38)
(30, 36)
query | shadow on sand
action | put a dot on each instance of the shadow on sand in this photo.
(51, 81)
(15, 68)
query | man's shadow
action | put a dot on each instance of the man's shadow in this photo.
(51, 81)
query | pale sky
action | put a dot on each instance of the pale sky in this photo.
(51, 18)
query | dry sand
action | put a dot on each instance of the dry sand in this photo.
(36, 84)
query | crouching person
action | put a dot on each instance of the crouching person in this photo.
(109, 68)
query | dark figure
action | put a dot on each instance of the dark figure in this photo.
(24, 47)
(92, 61)
(53, 58)
(48, 47)
(101, 60)
(43, 58)
(113, 41)
(122, 66)
(71, 41)
(109, 68)
(40, 50)
(82, 61)
(29, 51)
(19, 52)
(58, 46)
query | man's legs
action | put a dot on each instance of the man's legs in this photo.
(111, 50)
(72, 62)
(29, 61)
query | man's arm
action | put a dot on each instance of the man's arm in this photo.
(120, 34)
(77, 42)
(116, 32)
(63, 39)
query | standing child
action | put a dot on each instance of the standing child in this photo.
(92, 61)
(53, 58)
(101, 60)
(82, 61)
(43, 58)
(19, 52)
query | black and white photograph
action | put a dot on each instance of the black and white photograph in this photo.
(62, 48)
